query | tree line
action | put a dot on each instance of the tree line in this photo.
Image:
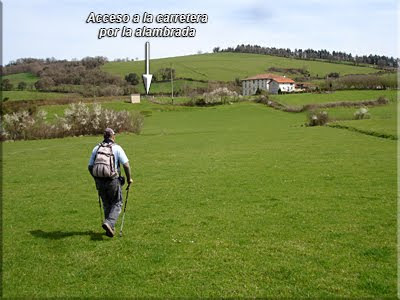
(37, 65)
(77, 76)
(381, 61)
(163, 74)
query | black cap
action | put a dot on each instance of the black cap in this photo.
(108, 132)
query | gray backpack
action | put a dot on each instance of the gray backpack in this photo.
(104, 162)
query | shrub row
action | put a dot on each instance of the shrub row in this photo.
(360, 82)
(310, 107)
(221, 95)
(78, 119)
(317, 117)
(9, 107)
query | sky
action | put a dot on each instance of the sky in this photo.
(49, 28)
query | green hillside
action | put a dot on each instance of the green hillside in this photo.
(29, 78)
(228, 66)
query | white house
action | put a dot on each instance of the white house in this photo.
(271, 83)
(281, 84)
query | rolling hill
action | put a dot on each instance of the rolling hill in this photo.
(194, 71)
(228, 66)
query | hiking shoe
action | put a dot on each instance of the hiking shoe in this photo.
(109, 230)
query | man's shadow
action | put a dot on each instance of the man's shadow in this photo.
(57, 235)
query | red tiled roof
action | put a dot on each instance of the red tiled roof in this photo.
(281, 79)
(277, 78)
(262, 76)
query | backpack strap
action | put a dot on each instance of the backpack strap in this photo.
(98, 147)
(112, 157)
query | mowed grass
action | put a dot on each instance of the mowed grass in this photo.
(380, 119)
(36, 95)
(372, 126)
(228, 66)
(29, 78)
(231, 201)
(335, 96)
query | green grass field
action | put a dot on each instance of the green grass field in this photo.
(165, 87)
(36, 95)
(29, 78)
(373, 126)
(381, 119)
(228, 66)
(348, 95)
(230, 201)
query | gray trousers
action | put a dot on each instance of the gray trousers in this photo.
(111, 196)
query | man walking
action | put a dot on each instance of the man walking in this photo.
(104, 166)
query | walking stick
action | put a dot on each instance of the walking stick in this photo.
(101, 213)
(123, 216)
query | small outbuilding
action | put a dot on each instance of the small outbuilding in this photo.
(135, 98)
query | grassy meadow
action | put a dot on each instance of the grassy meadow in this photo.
(29, 78)
(380, 119)
(335, 96)
(229, 201)
(36, 95)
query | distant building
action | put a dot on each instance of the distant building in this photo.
(271, 83)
